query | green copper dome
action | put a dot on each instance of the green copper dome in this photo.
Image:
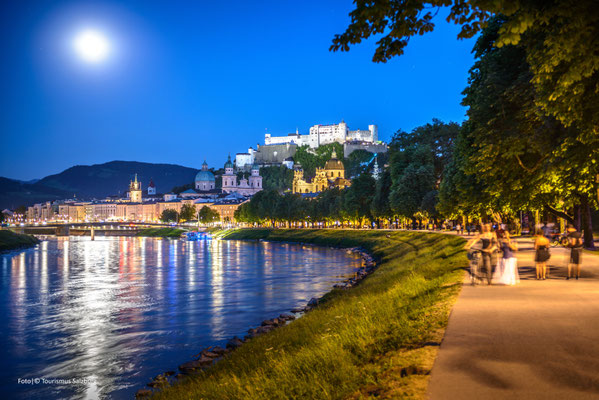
(203, 176)
(229, 164)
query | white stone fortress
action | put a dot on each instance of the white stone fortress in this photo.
(324, 134)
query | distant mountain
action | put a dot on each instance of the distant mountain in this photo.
(94, 181)
(31, 181)
(15, 193)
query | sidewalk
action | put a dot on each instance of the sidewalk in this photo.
(536, 340)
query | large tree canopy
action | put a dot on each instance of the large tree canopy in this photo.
(561, 39)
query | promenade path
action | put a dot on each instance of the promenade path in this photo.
(535, 340)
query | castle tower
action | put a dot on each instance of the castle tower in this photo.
(374, 133)
(135, 191)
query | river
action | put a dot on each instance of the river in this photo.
(85, 319)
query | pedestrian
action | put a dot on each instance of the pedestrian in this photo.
(541, 254)
(506, 272)
(500, 231)
(458, 228)
(488, 241)
(575, 245)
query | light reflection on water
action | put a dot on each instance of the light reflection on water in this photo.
(118, 311)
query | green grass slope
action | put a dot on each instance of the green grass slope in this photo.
(10, 240)
(378, 339)
(161, 232)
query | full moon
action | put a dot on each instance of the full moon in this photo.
(91, 46)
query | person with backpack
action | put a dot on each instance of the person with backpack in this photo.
(541, 254)
(575, 245)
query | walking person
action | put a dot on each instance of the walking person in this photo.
(575, 245)
(541, 254)
(488, 241)
(507, 269)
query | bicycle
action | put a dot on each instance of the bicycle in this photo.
(475, 259)
(559, 239)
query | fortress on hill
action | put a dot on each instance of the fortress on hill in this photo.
(279, 150)
(325, 134)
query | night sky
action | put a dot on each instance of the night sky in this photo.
(188, 81)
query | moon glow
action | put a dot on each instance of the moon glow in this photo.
(91, 46)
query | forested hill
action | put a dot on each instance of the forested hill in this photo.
(94, 181)
(15, 193)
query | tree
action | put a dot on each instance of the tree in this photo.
(380, 207)
(208, 215)
(417, 161)
(169, 215)
(276, 178)
(522, 156)
(187, 213)
(310, 159)
(410, 188)
(355, 163)
(358, 198)
(559, 40)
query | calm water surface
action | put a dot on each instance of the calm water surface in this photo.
(109, 314)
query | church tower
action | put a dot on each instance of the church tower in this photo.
(255, 179)
(229, 177)
(151, 188)
(135, 191)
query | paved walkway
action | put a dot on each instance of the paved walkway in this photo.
(536, 340)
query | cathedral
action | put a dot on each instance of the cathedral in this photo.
(245, 187)
(205, 179)
(332, 175)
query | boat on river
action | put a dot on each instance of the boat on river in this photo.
(195, 235)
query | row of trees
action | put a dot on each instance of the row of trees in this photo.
(406, 190)
(531, 139)
(189, 212)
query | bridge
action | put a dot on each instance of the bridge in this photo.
(90, 228)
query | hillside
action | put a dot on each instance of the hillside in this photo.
(94, 181)
(15, 193)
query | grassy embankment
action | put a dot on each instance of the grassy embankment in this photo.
(161, 232)
(378, 339)
(10, 240)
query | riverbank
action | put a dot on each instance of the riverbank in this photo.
(12, 241)
(379, 338)
(161, 232)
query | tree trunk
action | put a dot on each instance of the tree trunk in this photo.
(576, 219)
(587, 223)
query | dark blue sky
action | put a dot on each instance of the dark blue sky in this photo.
(198, 79)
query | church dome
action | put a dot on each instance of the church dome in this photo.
(229, 164)
(334, 163)
(203, 176)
